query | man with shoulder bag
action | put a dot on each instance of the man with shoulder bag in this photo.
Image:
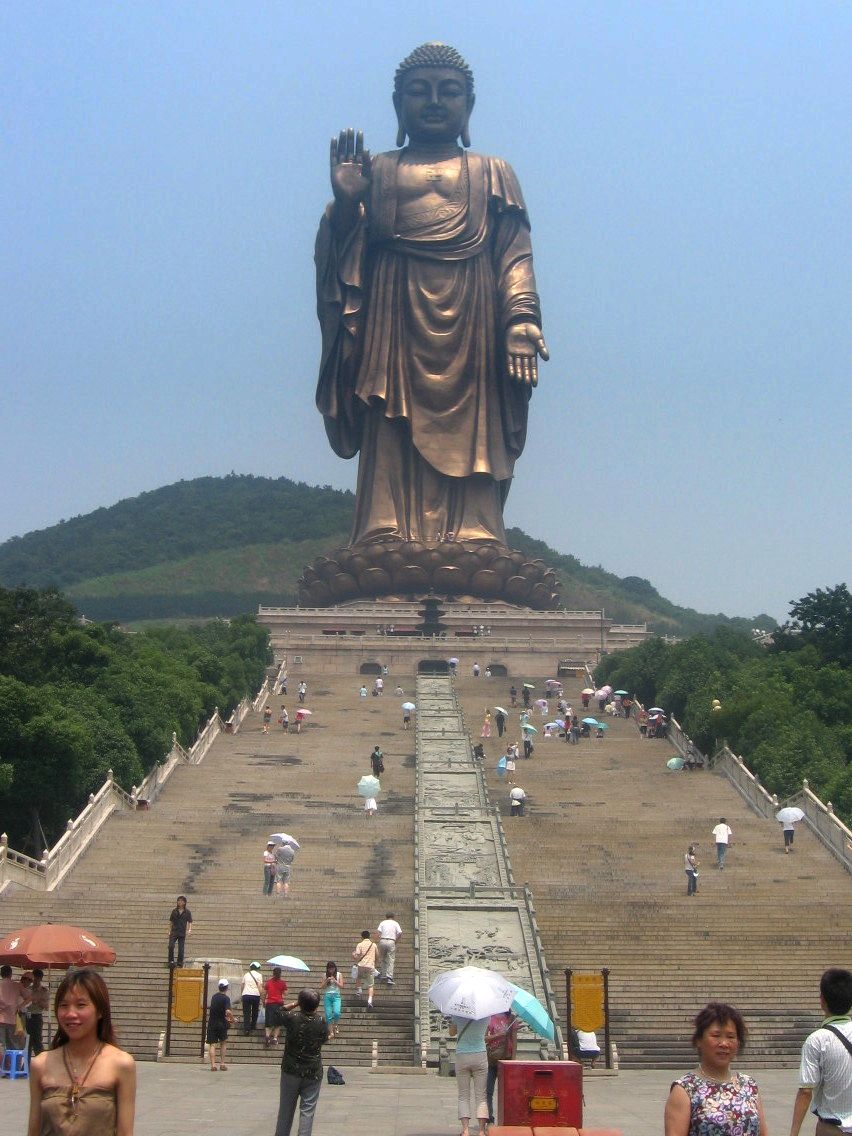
(825, 1074)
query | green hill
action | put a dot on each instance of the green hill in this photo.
(221, 545)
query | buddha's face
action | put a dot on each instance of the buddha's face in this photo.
(433, 104)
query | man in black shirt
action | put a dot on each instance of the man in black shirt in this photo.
(180, 925)
(301, 1065)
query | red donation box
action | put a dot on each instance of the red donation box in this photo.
(540, 1093)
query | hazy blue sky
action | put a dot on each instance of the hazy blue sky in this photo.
(688, 171)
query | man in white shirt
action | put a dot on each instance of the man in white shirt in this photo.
(825, 1074)
(517, 801)
(722, 835)
(390, 933)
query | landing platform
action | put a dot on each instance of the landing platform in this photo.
(364, 637)
(185, 1098)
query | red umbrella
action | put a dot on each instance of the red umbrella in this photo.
(55, 944)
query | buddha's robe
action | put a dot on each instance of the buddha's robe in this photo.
(413, 373)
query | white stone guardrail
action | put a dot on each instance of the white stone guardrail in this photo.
(48, 873)
(819, 816)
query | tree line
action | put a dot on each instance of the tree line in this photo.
(785, 707)
(79, 699)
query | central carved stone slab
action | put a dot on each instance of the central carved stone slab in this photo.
(442, 790)
(446, 753)
(460, 853)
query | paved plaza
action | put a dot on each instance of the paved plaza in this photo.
(243, 1102)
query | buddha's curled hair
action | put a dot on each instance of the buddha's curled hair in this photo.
(434, 55)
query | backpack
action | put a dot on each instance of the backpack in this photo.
(334, 1076)
(285, 854)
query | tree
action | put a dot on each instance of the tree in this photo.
(824, 618)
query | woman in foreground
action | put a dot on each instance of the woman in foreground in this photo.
(84, 1084)
(712, 1101)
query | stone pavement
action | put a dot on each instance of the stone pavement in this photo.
(243, 1102)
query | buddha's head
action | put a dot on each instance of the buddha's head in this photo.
(433, 96)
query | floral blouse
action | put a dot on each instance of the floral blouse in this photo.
(729, 1109)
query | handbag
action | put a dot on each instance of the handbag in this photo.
(334, 1076)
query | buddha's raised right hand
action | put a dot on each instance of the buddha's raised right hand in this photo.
(350, 168)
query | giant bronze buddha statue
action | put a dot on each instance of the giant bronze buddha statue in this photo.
(431, 330)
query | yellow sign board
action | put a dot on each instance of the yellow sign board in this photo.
(188, 995)
(587, 1002)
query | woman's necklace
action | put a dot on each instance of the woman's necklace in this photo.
(710, 1077)
(77, 1083)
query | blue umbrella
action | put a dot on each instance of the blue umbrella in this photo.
(590, 721)
(530, 1010)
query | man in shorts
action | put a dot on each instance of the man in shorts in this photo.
(285, 854)
(365, 955)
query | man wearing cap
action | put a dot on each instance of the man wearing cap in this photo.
(251, 991)
(269, 867)
(217, 1025)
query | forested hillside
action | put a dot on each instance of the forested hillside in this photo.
(77, 700)
(220, 546)
(786, 708)
(172, 523)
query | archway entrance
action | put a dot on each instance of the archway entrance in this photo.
(370, 669)
(433, 667)
(498, 670)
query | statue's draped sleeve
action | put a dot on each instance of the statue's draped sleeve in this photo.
(414, 319)
(340, 266)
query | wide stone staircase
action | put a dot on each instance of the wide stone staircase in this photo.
(205, 837)
(602, 848)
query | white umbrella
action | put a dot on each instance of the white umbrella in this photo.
(408, 706)
(283, 838)
(369, 786)
(789, 815)
(287, 962)
(472, 992)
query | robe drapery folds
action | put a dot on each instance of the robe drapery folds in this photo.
(413, 352)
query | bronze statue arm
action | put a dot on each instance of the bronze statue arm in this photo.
(350, 176)
(524, 342)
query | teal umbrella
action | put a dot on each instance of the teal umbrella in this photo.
(675, 763)
(530, 1010)
(622, 692)
(528, 729)
(602, 726)
(369, 786)
(590, 722)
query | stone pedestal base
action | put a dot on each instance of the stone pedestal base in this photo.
(463, 571)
